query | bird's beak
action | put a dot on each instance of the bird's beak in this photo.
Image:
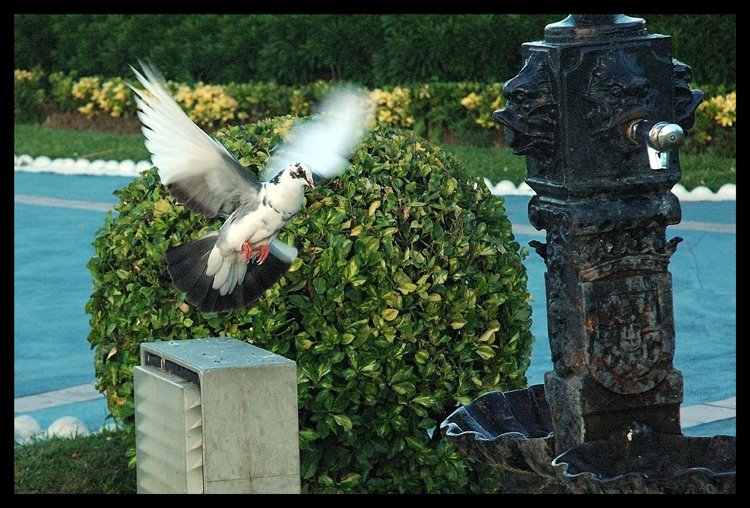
(310, 183)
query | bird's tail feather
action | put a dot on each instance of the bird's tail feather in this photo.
(186, 265)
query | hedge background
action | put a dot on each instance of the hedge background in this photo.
(373, 50)
(458, 112)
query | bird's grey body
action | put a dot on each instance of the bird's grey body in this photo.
(227, 269)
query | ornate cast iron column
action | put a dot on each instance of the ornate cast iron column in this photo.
(599, 109)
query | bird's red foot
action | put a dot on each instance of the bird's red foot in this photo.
(247, 251)
(263, 254)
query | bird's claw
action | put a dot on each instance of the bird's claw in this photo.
(259, 255)
(263, 255)
(247, 251)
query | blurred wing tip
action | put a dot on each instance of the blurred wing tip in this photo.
(326, 139)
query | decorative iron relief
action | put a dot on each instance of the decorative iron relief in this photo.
(635, 250)
(619, 92)
(530, 112)
(630, 329)
(686, 101)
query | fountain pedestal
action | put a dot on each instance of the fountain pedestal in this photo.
(599, 110)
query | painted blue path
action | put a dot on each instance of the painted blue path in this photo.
(53, 243)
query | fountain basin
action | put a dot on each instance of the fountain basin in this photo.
(642, 460)
(511, 430)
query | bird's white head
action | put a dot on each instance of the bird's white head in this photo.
(294, 174)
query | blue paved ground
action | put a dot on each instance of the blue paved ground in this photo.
(52, 285)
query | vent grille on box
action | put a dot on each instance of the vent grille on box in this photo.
(216, 416)
(169, 435)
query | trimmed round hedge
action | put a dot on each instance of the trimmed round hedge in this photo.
(409, 295)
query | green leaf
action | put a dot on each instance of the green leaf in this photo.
(425, 400)
(320, 285)
(407, 288)
(347, 338)
(486, 352)
(351, 480)
(404, 388)
(351, 269)
(389, 314)
(308, 434)
(344, 421)
(325, 480)
(373, 207)
(487, 336)
(370, 367)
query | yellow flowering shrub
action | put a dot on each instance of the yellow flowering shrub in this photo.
(112, 97)
(460, 111)
(21, 75)
(184, 95)
(207, 105)
(300, 105)
(723, 108)
(482, 103)
(436, 110)
(715, 125)
(116, 98)
(471, 101)
(28, 95)
(423, 92)
(392, 107)
(87, 90)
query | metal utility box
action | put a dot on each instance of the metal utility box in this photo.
(215, 416)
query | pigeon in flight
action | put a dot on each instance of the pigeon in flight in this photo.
(227, 269)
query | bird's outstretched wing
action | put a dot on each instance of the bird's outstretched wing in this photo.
(197, 169)
(325, 141)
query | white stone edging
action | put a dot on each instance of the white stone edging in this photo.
(42, 164)
(69, 166)
(26, 429)
(727, 192)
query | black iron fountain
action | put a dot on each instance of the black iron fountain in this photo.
(599, 110)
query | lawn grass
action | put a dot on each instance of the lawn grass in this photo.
(709, 170)
(36, 140)
(498, 163)
(494, 163)
(91, 464)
